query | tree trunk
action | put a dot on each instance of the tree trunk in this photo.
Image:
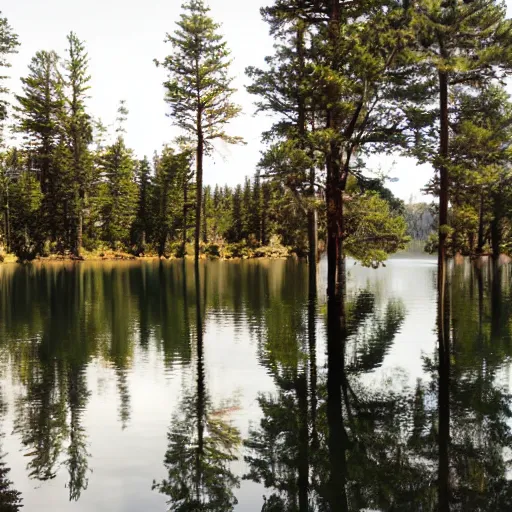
(204, 223)
(334, 196)
(496, 231)
(7, 220)
(185, 219)
(481, 240)
(199, 184)
(143, 241)
(312, 224)
(443, 179)
(443, 317)
(79, 229)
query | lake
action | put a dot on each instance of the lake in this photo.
(140, 386)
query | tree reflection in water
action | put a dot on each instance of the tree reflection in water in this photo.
(341, 444)
(201, 443)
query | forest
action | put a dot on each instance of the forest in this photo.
(423, 79)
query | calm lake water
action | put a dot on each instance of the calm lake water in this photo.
(137, 387)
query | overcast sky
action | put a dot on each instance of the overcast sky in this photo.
(124, 36)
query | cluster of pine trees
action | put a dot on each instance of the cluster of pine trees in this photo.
(346, 79)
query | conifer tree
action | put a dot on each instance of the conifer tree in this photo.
(40, 115)
(119, 193)
(246, 209)
(461, 42)
(236, 229)
(79, 133)
(142, 224)
(354, 51)
(172, 171)
(8, 45)
(199, 89)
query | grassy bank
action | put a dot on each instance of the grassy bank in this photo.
(222, 251)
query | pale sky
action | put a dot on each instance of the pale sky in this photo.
(124, 36)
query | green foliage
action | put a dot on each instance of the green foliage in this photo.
(198, 84)
(10, 498)
(373, 231)
(26, 198)
(78, 134)
(172, 177)
(8, 45)
(198, 88)
(118, 193)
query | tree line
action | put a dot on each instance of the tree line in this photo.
(345, 80)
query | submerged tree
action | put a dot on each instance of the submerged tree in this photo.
(198, 88)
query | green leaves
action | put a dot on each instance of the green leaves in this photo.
(8, 45)
(198, 88)
(373, 232)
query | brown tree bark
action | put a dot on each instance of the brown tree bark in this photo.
(334, 197)
(443, 177)
(199, 184)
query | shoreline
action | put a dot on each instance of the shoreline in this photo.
(11, 259)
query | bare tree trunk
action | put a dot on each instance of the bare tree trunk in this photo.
(185, 219)
(79, 227)
(443, 175)
(205, 223)
(334, 197)
(481, 241)
(496, 229)
(443, 317)
(7, 220)
(199, 184)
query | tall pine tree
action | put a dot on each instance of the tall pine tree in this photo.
(8, 45)
(79, 134)
(40, 113)
(199, 89)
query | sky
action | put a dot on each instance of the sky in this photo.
(123, 37)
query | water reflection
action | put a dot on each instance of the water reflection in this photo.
(10, 498)
(201, 443)
(254, 391)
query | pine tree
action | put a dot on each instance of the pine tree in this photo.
(208, 214)
(172, 172)
(246, 209)
(10, 170)
(40, 115)
(142, 225)
(199, 89)
(461, 42)
(354, 52)
(79, 133)
(119, 193)
(256, 207)
(26, 200)
(236, 229)
(285, 88)
(8, 45)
